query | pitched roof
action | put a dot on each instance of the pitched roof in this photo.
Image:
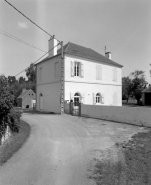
(88, 53)
(84, 52)
(24, 93)
(148, 89)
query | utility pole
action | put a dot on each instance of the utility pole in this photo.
(62, 79)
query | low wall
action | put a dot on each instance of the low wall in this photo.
(132, 115)
(67, 108)
(6, 135)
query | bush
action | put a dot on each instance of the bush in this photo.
(14, 119)
(8, 115)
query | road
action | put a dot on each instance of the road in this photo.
(59, 150)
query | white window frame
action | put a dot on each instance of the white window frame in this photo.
(77, 69)
(77, 96)
(98, 98)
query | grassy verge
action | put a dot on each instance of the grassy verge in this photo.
(14, 143)
(135, 169)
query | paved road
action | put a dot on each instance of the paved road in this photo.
(56, 153)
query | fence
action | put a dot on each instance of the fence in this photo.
(140, 116)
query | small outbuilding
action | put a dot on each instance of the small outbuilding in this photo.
(146, 96)
(27, 99)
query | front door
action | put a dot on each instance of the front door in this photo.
(75, 105)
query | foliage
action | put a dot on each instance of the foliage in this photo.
(21, 80)
(14, 119)
(126, 88)
(15, 86)
(138, 84)
(31, 73)
(7, 114)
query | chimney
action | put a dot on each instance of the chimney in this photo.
(108, 55)
(52, 42)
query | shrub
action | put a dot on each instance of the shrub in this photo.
(13, 119)
(8, 116)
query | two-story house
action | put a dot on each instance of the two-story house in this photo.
(82, 75)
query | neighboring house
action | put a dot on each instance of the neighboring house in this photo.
(26, 99)
(146, 96)
(83, 75)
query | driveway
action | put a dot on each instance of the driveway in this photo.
(61, 150)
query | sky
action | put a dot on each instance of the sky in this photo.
(123, 26)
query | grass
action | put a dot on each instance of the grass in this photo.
(14, 143)
(135, 169)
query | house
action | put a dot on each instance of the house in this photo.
(146, 96)
(26, 99)
(82, 75)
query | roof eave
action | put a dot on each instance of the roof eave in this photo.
(47, 59)
(118, 65)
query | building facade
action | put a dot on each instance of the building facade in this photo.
(27, 99)
(82, 75)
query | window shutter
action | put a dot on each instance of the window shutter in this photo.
(82, 70)
(94, 99)
(71, 96)
(100, 72)
(72, 69)
(83, 98)
(102, 98)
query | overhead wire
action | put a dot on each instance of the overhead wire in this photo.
(19, 40)
(31, 20)
(38, 59)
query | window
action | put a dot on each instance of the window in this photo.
(98, 98)
(76, 99)
(98, 72)
(77, 69)
(114, 73)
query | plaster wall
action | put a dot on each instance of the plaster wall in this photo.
(131, 115)
(90, 71)
(46, 71)
(49, 85)
(87, 90)
(51, 97)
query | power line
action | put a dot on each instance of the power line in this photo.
(38, 59)
(19, 40)
(30, 19)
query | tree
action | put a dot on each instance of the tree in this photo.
(8, 116)
(11, 80)
(126, 88)
(138, 84)
(21, 80)
(31, 73)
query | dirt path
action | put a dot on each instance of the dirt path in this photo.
(62, 149)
